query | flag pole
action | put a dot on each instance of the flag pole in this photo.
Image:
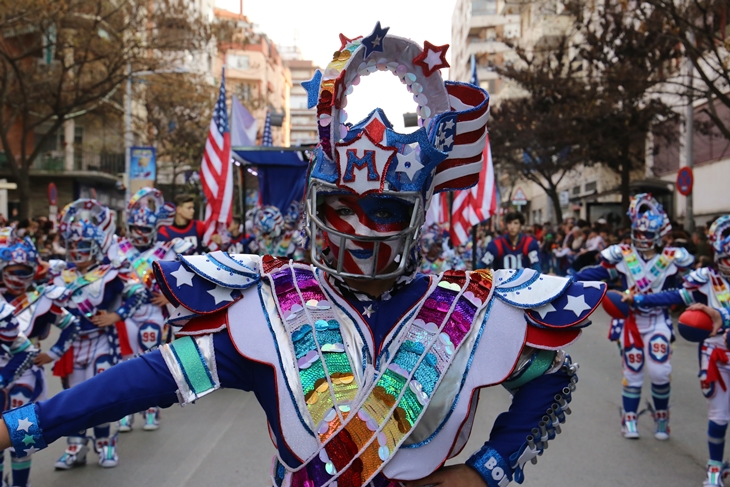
(474, 247)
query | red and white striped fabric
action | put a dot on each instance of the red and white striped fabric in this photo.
(216, 171)
(438, 210)
(477, 204)
(464, 163)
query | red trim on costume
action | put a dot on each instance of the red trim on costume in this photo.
(552, 339)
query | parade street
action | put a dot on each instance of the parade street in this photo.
(223, 441)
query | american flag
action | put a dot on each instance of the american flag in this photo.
(266, 138)
(438, 210)
(474, 205)
(216, 173)
(470, 163)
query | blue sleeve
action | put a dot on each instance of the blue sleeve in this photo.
(132, 386)
(593, 273)
(669, 298)
(134, 295)
(522, 433)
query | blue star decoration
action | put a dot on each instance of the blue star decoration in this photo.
(374, 42)
(429, 157)
(312, 87)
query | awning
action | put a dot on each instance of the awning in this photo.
(282, 172)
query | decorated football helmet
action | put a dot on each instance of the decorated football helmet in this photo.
(18, 260)
(649, 222)
(86, 226)
(146, 213)
(369, 186)
(268, 221)
(719, 236)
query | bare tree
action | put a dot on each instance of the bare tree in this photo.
(60, 60)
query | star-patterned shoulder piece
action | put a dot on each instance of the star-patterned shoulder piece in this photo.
(205, 284)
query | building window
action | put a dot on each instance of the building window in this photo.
(298, 102)
(576, 190)
(246, 92)
(591, 186)
(484, 7)
(238, 61)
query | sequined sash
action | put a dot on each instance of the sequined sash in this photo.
(142, 262)
(643, 277)
(26, 300)
(84, 305)
(358, 442)
(719, 288)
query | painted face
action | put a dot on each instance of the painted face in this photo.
(643, 240)
(375, 219)
(141, 236)
(79, 251)
(17, 278)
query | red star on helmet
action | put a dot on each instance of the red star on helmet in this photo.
(432, 58)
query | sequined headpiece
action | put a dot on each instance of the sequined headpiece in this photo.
(649, 222)
(719, 236)
(371, 159)
(146, 213)
(89, 223)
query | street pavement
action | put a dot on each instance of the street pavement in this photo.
(223, 440)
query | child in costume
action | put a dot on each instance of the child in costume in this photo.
(145, 329)
(26, 315)
(645, 335)
(100, 296)
(275, 235)
(368, 371)
(708, 290)
(435, 259)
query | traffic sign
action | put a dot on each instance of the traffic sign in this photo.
(52, 194)
(519, 198)
(685, 181)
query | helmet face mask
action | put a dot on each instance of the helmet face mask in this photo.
(146, 213)
(644, 241)
(81, 251)
(363, 237)
(141, 236)
(18, 277)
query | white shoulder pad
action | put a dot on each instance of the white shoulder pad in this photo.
(181, 246)
(238, 271)
(57, 266)
(527, 288)
(55, 293)
(698, 277)
(682, 258)
(612, 254)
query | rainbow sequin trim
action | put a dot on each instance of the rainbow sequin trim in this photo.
(359, 444)
(325, 369)
(633, 263)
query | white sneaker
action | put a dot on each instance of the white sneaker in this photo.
(629, 426)
(125, 424)
(74, 456)
(713, 476)
(107, 450)
(151, 419)
(661, 421)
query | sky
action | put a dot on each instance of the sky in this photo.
(314, 25)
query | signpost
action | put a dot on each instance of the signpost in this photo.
(519, 198)
(685, 181)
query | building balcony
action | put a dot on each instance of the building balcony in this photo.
(488, 47)
(488, 20)
(106, 167)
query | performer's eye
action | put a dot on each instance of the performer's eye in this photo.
(344, 211)
(384, 214)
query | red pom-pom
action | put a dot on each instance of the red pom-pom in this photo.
(613, 305)
(694, 326)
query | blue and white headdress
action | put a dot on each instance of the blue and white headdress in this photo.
(370, 158)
